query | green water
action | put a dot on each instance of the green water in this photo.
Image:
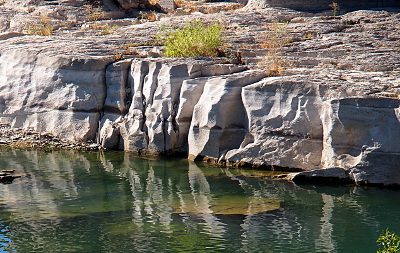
(70, 201)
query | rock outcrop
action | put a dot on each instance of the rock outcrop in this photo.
(311, 125)
(60, 95)
(333, 112)
(322, 5)
(153, 102)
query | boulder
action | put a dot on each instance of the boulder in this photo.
(128, 4)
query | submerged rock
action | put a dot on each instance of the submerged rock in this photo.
(6, 177)
(227, 205)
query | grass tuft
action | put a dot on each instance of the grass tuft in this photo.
(276, 38)
(108, 29)
(148, 16)
(94, 13)
(41, 27)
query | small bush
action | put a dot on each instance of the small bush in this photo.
(390, 242)
(193, 40)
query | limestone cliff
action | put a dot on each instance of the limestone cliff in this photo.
(334, 112)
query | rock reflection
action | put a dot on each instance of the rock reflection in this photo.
(115, 201)
(5, 238)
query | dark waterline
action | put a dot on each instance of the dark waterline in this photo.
(69, 201)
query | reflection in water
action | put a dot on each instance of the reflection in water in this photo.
(324, 242)
(5, 239)
(68, 201)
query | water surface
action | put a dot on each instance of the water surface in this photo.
(68, 201)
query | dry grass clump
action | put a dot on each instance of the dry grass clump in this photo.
(148, 16)
(94, 13)
(275, 39)
(108, 29)
(274, 64)
(103, 29)
(185, 4)
(153, 2)
(41, 27)
(335, 8)
(276, 36)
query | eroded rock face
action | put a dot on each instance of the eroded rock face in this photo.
(218, 122)
(335, 107)
(311, 125)
(310, 120)
(284, 124)
(361, 136)
(163, 101)
(52, 94)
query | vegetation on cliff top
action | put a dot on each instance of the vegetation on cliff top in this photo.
(192, 40)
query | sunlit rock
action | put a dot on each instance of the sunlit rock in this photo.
(284, 124)
(57, 94)
(219, 120)
(362, 136)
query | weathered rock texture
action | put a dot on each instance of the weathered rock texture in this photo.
(54, 94)
(311, 125)
(154, 103)
(334, 112)
(320, 5)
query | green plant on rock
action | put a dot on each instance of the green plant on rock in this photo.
(390, 242)
(193, 40)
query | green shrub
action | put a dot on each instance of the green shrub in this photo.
(390, 242)
(193, 40)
